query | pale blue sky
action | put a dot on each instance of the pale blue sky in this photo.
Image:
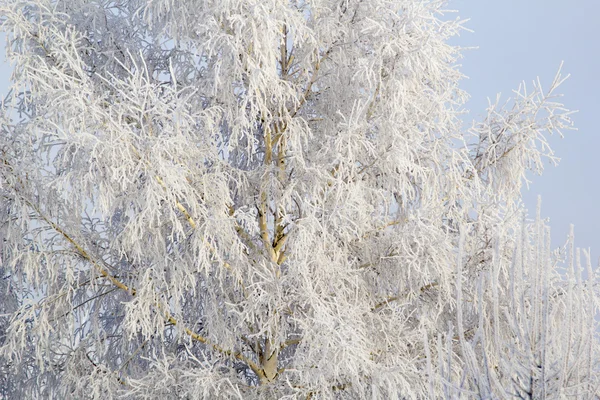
(519, 40)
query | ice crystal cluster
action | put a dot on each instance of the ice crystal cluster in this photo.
(275, 199)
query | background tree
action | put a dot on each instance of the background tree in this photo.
(274, 199)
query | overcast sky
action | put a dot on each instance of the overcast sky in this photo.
(520, 40)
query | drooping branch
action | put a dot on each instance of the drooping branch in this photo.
(132, 291)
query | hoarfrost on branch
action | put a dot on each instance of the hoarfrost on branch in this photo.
(275, 199)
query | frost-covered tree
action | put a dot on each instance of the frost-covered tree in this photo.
(265, 199)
